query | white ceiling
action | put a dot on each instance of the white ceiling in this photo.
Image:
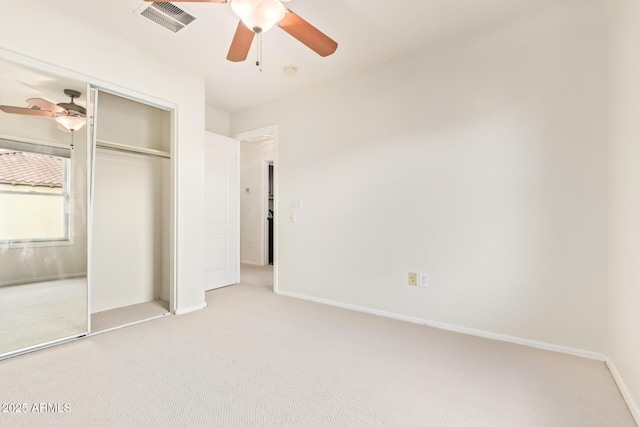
(367, 32)
(19, 82)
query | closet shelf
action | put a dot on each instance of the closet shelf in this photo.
(132, 149)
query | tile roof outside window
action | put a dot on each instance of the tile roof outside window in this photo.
(39, 170)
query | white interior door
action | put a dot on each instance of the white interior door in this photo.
(222, 223)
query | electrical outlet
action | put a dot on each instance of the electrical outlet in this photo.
(413, 279)
(423, 280)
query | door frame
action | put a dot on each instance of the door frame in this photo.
(270, 132)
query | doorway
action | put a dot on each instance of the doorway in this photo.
(258, 206)
(269, 252)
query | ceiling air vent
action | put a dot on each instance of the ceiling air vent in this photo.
(167, 15)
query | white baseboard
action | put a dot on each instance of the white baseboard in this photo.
(631, 403)
(453, 328)
(191, 309)
(42, 279)
(242, 261)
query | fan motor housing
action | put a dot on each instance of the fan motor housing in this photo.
(73, 108)
(72, 93)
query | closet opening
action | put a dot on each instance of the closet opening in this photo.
(131, 267)
(259, 207)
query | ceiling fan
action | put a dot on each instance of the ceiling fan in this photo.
(258, 17)
(69, 115)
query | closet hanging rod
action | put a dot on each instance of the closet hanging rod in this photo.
(131, 149)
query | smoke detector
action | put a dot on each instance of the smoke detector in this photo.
(290, 70)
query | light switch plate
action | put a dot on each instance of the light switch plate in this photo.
(423, 280)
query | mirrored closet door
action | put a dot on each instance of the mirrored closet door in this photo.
(44, 158)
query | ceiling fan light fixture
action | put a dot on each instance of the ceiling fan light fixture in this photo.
(72, 123)
(258, 15)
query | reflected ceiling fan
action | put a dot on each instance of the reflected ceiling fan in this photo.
(69, 115)
(258, 17)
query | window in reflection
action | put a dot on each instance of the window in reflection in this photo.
(34, 195)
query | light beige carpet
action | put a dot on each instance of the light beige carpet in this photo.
(36, 313)
(253, 358)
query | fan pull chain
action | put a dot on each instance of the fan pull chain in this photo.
(259, 51)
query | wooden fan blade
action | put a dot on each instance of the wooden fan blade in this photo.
(26, 111)
(46, 105)
(309, 35)
(241, 43)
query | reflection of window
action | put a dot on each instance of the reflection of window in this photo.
(34, 192)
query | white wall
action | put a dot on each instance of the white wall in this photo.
(624, 295)
(217, 121)
(253, 157)
(481, 161)
(100, 57)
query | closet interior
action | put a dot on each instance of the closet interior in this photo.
(130, 267)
